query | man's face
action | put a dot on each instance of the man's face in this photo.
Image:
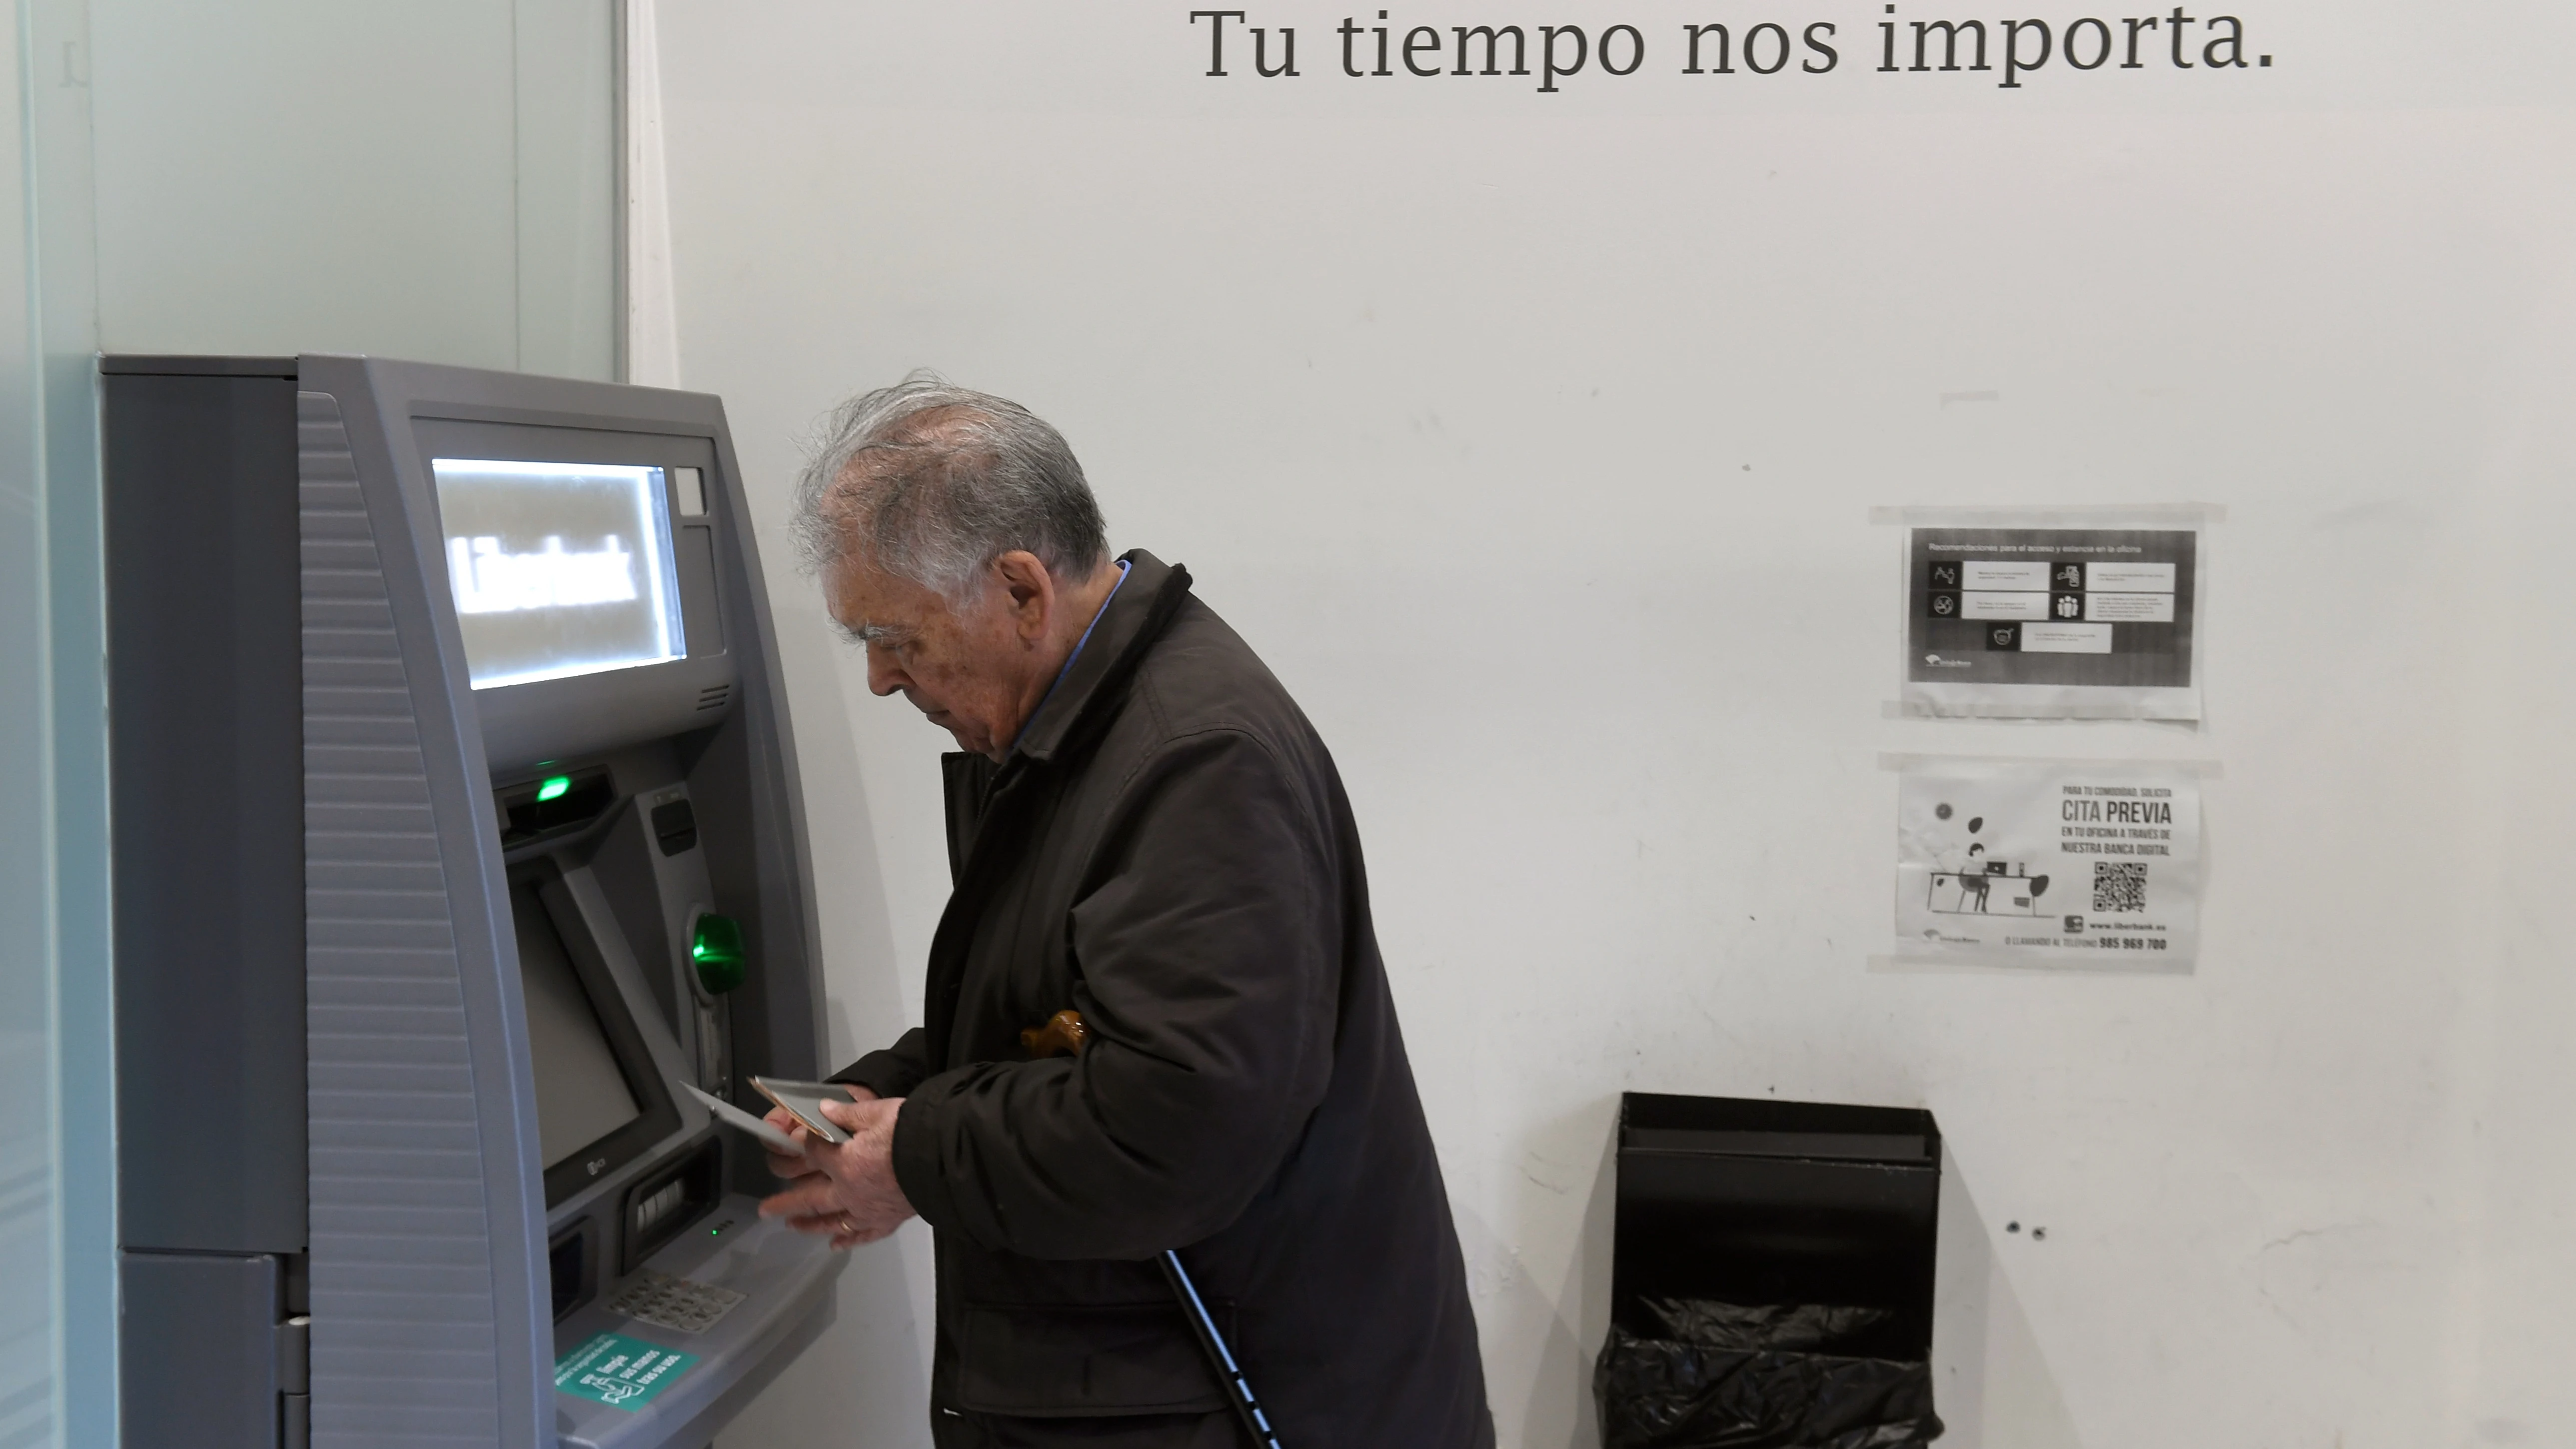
(967, 668)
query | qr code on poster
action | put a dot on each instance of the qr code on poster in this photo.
(2119, 885)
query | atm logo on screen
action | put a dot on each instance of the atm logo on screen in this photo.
(489, 580)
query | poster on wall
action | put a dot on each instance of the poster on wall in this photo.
(2052, 615)
(2048, 863)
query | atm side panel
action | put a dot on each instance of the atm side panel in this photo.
(205, 752)
(205, 749)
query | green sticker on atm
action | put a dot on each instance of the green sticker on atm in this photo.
(621, 1372)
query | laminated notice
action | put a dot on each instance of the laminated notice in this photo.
(2048, 864)
(2052, 615)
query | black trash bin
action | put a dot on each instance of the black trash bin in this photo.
(1771, 1276)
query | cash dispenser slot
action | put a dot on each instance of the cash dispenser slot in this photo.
(660, 1206)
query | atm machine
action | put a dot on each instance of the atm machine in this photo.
(456, 830)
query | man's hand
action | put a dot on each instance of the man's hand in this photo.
(847, 1192)
(780, 1118)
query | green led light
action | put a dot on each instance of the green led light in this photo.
(553, 788)
(716, 949)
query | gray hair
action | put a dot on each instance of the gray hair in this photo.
(932, 482)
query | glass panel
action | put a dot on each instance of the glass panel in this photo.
(29, 1322)
(57, 1187)
(433, 182)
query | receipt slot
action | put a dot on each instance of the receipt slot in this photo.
(455, 820)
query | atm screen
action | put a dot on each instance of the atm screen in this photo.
(558, 569)
(582, 1095)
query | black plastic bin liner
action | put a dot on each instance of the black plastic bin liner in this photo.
(1732, 1376)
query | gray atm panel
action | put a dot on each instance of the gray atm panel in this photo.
(208, 825)
(207, 830)
(193, 1375)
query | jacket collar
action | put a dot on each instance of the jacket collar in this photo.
(1135, 616)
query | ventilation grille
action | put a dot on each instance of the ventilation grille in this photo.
(714, 696)
(392, 1059)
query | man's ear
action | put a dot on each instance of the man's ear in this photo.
(1030, 589)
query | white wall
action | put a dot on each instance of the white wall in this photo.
(1531, 438)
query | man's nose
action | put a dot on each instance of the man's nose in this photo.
(884, 675)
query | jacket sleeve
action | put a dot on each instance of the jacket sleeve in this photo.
(892, 1072)
(1207, 934)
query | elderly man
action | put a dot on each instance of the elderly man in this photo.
(1145, 830)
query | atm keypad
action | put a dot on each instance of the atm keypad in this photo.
(683, 1305)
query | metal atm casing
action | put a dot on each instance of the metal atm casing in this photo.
(332, 1208)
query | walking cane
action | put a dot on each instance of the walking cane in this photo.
(1237, 1390)
(1066, 1032)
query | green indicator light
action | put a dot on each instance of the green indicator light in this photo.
(553, 788)
(717, 952)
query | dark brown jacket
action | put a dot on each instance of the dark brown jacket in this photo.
(1167, 849)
